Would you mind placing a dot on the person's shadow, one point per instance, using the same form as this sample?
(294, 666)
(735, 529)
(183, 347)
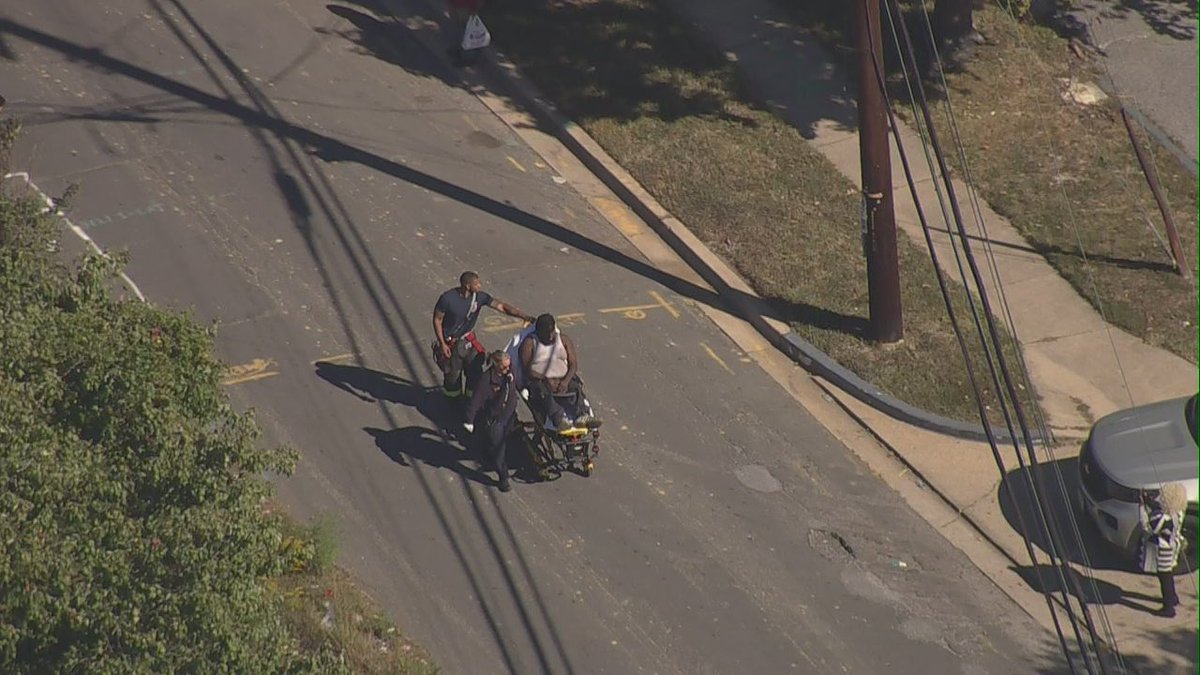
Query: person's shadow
(1045, 579)
(447, 445)
(373, 386)
(437, 449)
(420, 444)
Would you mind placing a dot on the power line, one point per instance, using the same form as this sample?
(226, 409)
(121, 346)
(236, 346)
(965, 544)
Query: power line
(1022, 366)
(1083, 252)
(1000, 361)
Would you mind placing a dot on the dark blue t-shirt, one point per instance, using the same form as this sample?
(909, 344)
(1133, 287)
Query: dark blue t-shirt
(460, 313)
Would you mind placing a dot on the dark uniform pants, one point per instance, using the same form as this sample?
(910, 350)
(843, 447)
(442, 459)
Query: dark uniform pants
(464, 356)
(494, 436)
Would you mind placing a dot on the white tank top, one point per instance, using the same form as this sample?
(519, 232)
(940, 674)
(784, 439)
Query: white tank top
(549, 361)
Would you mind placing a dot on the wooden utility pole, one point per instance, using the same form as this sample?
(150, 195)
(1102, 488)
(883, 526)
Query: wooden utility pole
(879, 221)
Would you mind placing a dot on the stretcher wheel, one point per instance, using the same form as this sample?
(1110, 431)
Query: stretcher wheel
(586, 470)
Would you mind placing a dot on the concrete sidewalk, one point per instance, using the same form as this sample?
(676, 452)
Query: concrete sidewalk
(1081, 366)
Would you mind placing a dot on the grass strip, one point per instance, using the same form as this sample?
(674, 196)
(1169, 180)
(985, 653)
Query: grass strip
(327, 613)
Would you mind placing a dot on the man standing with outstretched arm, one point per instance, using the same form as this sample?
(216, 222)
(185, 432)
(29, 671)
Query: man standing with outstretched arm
(454, 318)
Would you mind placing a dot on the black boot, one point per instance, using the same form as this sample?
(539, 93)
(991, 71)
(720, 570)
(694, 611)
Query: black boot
(1167, 611)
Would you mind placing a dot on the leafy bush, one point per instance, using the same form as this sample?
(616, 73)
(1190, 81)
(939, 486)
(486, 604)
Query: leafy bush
(1019, 8)
(310, 547)
(133, 536)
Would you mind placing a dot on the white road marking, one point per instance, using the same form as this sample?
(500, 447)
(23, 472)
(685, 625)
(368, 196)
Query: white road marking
(24, 175)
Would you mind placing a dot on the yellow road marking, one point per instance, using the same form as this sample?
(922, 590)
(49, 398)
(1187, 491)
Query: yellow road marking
(617, 214)
(500, 324)
(501, 327)
(335, 359)
(639, 311)
(249, 378)
(716, 358)
(248, 372)
(635, 312)
(666, 305)
(496, 324)
(515, 163)
(568, 320)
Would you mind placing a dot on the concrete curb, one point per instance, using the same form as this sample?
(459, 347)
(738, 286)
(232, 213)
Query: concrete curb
(727, 283)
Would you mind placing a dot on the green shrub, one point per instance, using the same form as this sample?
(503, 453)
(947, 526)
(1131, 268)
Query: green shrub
(309, 547)
(133, 536)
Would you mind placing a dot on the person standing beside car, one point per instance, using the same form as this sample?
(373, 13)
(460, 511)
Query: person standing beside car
(1162, 540)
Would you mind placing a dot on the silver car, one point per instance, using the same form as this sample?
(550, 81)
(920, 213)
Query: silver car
(1138, 449)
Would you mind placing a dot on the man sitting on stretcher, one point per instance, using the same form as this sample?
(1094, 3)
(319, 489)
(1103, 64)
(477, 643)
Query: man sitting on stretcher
(552, 372)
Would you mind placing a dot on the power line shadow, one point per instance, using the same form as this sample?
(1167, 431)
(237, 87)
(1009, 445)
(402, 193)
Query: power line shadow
(265, 118)
(390, 41)
(1050, 250)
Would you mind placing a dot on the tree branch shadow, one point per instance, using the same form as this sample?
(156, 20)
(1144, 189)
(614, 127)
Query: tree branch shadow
(1176, 19)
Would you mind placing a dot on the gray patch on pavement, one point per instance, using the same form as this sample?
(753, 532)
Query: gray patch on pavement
(916, 628)
(480, 139)
(959, 638)
(757, 477)
(866, 584)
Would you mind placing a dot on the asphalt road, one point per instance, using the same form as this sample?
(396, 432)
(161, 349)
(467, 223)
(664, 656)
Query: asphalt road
(311, 179)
